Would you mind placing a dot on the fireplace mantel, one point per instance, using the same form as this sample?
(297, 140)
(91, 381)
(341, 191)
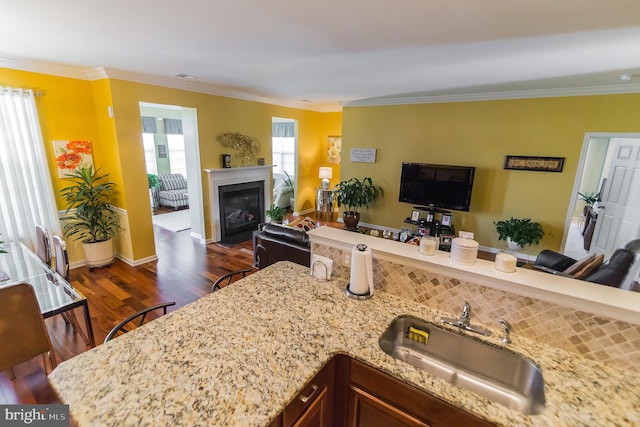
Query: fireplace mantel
(228, 176)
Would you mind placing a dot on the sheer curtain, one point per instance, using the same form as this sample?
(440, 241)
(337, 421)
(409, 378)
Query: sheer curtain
(26, 192)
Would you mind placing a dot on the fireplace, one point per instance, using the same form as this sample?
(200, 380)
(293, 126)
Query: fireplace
(222, 177)
(241, 210)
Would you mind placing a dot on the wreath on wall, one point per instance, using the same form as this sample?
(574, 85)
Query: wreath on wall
(247, 146)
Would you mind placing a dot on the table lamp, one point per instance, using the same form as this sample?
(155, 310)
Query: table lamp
(326, 173)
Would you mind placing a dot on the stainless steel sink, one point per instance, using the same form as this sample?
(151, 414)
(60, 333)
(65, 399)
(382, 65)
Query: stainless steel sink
(493, 372)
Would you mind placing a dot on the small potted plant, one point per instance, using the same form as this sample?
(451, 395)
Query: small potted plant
(154, 188)
(589, 200)
(276, 214)
(95, 219)
(354, 194)
(519, 232)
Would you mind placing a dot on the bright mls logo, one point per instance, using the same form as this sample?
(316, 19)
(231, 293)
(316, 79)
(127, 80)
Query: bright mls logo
(34, 415)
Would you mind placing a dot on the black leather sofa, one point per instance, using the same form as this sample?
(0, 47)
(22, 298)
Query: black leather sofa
(611, 273)
(278, 243)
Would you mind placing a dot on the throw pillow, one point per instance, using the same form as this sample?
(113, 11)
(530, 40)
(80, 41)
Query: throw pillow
(305, 224)
(587, 269)
(572, 269)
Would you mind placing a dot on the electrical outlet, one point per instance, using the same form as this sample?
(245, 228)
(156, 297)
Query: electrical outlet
(346, 259)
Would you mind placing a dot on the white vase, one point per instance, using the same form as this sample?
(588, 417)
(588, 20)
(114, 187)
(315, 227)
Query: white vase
(98, 254)
(514, 246)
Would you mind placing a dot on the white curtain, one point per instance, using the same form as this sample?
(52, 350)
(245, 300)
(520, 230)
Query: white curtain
(26, 192)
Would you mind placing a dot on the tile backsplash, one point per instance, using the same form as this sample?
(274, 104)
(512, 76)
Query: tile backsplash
(603, 339)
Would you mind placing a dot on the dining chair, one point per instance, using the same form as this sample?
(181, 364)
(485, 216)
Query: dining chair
(43, 246)
(23, 334)
(139, 316)
(228, 278)
(61, 266)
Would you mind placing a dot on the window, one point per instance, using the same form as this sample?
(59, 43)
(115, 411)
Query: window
(150, 153)
(283, 152)
(177, 157)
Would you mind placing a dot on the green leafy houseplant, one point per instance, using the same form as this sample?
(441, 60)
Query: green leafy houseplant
(276, 213)
(2, 251)
(354, 194)
(589, 198)
(521, 231)
(153, 180)
(95, 219)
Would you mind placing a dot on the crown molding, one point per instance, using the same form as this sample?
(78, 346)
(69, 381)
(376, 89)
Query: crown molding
(496, 96)
(200, 87)
(35, 66)
(92, 74)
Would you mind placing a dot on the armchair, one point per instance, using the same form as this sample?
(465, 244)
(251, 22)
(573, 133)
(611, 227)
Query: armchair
(592, 269)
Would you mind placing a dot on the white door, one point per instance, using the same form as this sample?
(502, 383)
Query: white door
(619, 217)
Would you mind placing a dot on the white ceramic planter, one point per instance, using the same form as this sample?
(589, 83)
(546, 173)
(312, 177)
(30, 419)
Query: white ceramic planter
(98, 254)
(513, 245)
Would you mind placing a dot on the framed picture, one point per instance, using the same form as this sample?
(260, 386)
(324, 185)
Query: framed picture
(72, 155)
(226, 161)
(162, 151)
(533, 163)
(446, 220)
(415, 215)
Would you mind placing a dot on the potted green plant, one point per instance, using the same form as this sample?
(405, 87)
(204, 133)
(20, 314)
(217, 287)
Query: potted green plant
(154, 188)
(276, 214)
(519, 232)
(589, 200)
(95, 219)
(354, 194)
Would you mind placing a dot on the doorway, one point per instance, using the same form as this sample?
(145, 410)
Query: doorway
(171, 147)
(284, 148)
(599, 162)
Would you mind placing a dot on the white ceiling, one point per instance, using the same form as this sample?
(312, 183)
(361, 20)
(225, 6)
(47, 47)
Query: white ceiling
(321, 54)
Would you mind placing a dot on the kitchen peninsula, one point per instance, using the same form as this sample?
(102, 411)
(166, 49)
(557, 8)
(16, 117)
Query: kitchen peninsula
(238, 356)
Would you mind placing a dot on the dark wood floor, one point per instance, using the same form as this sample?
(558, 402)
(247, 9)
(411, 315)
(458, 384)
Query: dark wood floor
(183, 273)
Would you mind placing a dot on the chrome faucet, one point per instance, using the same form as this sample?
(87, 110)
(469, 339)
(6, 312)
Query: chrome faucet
(506, 328)
(464, 322)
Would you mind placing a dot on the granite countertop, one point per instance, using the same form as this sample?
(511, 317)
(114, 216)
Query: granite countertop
(238, 356)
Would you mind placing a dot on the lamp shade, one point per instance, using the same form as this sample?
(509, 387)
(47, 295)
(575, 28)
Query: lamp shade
(326, 174)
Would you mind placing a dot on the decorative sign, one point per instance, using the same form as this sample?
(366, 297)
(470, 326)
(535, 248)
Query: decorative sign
(532, 163)
(363, 155)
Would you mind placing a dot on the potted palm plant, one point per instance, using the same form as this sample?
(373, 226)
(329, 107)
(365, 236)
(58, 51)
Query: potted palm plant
(354, 194)
(589, 200)
(95, 219)
(288, 182)
(519, 232)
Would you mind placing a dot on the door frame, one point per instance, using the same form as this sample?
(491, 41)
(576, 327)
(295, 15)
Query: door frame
(580, 171)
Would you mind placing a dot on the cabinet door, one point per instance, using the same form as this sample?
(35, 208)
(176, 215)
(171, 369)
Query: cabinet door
(313, 405)
(370, 411)
(318, 414)
(377, 399)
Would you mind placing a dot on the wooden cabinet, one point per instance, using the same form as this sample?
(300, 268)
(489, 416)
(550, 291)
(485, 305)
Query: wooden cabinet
(377, 399)
(348, 393)
(313, 406)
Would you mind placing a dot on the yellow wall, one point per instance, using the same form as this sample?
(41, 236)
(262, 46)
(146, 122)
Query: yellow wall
(78, 109)
(216, 114)
(480, 134)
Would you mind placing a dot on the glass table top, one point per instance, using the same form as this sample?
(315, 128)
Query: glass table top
(21, 264)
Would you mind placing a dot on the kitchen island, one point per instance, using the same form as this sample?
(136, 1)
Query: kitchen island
(238, 356)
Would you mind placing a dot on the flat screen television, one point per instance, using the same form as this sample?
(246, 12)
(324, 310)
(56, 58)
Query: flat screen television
(440, 186)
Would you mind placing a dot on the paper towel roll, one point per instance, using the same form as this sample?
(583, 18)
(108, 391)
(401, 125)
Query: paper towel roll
(361, 280)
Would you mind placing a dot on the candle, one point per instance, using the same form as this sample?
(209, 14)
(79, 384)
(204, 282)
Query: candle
(506, 262)
(428, 245)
